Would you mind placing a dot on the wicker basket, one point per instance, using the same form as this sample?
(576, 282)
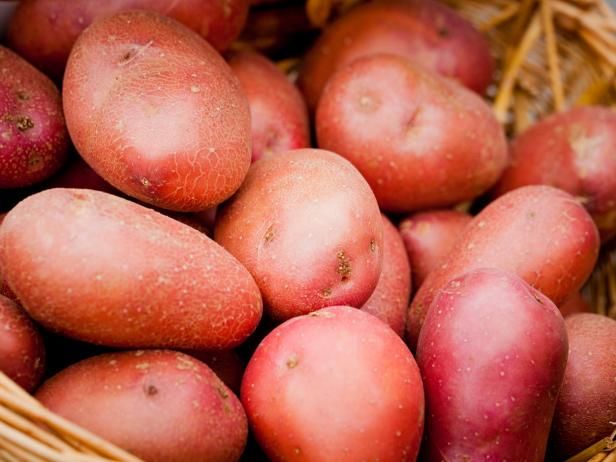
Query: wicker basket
(551, 54)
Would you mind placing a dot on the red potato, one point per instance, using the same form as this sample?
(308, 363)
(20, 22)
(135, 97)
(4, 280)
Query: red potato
(279, 116)
(308, 228)
(492, 355)
(44, 31)
(22, 353)
(574, 151)
(5, 290)
(587, 402)
(573, 305)
(79, 175)
(428, 238)
(389, 301)
(161, 406)
(166, 122)
(421, 141)
(540, 233)
(426, 31)
(101, 269)
(226, 364)
(347, 389)
(33, 136)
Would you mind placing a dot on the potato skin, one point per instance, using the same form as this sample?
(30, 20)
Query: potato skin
(22, 352)
(587, 401)
(162, 406)
(4, 288)
(78, 174)
(425, 31)
(166, 122)
(308, 228)
(101, 269)
(347, 389)
(573, 305)
(421, 141)
(44, 31)
(573, 151)
(226, 364)
(540, 233)
(33, 136)
(492, 355)
(428, 237)
(389, 301)
(279, 116)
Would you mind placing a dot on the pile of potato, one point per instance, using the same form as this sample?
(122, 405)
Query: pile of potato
(175, 215)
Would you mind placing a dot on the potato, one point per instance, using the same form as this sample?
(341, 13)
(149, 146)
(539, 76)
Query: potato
(279, 116)
(166, 121)
(101, 269)
(540, 233)
(44, 31)
(161, 406)
(492, 355)
(390, 299)
(425, 31)
(226, 364)
(346, 389)
(33, 136)
(79, 175)
(428, 237)
(574, 151)
(587, 400)
(22, 353)
(574, 304)
(421, 141)
(308, 228)
(4, 288)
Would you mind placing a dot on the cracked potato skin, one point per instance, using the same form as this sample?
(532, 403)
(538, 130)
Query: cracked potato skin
(101, 269)
(308, 228)
(492, 355)
(420, 140)
(44, 31)
(157, 112)
(540, 233)
(33, 137)
(347, 389)
(573, 151)
(162, 406)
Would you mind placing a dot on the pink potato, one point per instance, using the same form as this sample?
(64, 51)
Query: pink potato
(79, 175)
(161, 406)
(573, 305)
(309, 230)
(22, 353)
(389, 301)
(587, 402)
(492, 355)
(540, 233)
(574, 151)
(279, 116)
(101, 269)
(166, 121)
(420, 140)
(44, 31)
(334, 385)
(428, 237)
(33, 136)
(426, 31)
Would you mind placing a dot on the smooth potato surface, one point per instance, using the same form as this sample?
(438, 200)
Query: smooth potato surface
(492, 355)
(540, 233)
(308, 228)
(420, 140)
(161, 406)
(101, 269)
